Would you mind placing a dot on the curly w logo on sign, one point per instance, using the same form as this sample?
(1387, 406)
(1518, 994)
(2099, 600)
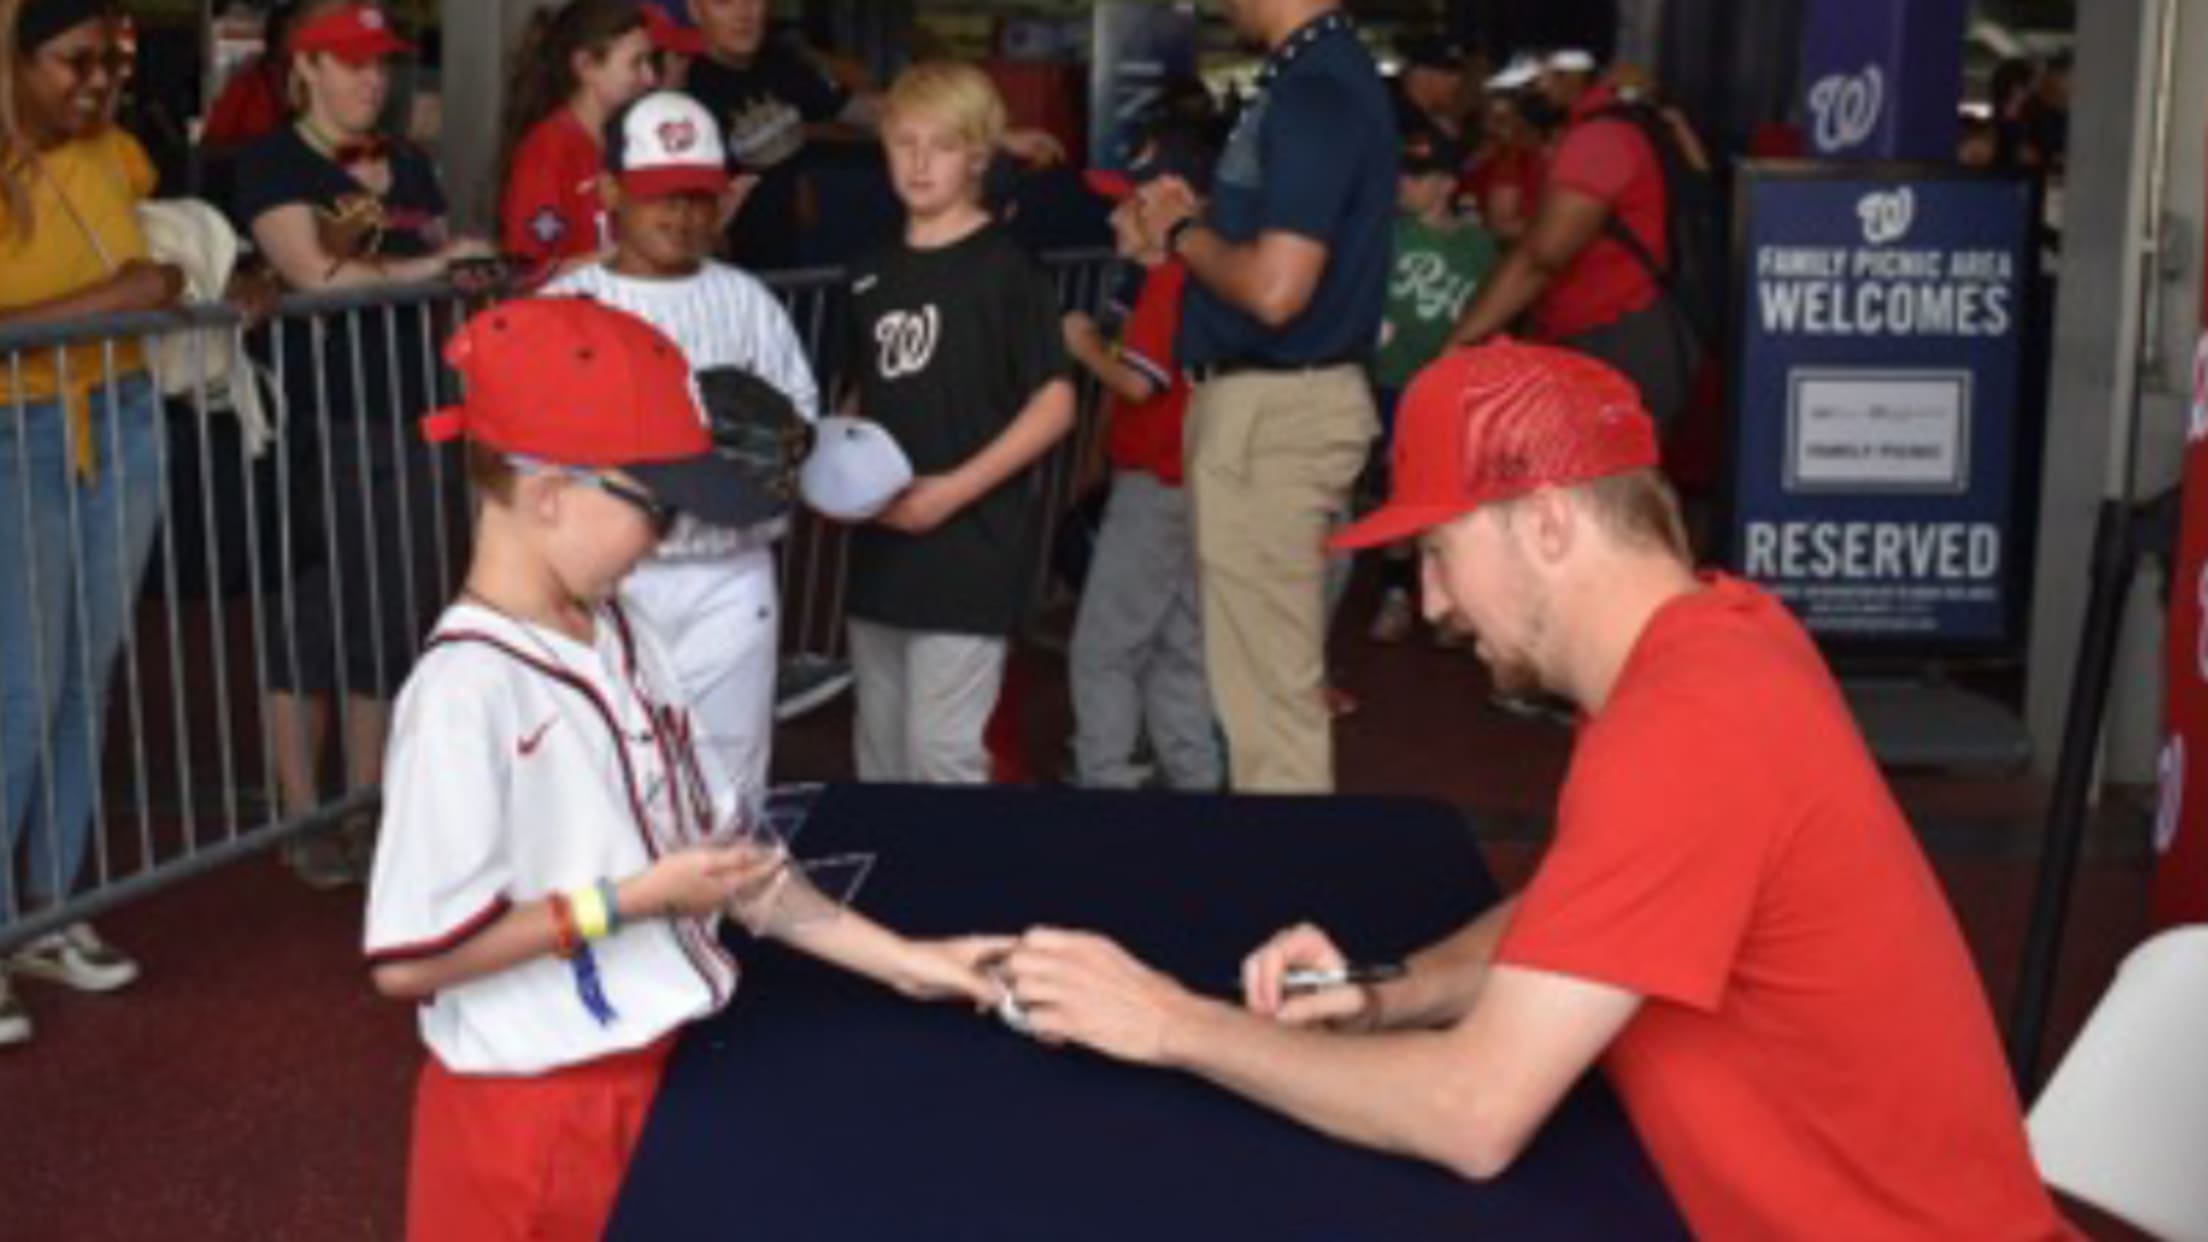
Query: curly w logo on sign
(1846, 108)
(1887, 217)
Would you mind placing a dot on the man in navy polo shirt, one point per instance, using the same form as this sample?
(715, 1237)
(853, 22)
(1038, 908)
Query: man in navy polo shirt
(1288, 272)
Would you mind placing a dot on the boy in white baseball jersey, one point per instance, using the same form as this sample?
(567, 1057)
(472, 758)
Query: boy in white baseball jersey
(709, 589)
(548, 885)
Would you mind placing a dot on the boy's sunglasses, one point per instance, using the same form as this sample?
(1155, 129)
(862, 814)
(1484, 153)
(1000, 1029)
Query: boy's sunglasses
(660, 515)
(657, 512)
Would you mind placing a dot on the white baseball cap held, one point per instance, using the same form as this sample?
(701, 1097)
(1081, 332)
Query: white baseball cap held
(855, 470)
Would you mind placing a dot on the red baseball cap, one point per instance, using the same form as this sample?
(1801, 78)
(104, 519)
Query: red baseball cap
(1490, 422)
(669, 35)
(575, 383)
(352, 32)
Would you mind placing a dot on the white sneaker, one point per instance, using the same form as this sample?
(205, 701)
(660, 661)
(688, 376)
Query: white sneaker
(15, 1021)
(806, 683)
(75, 957)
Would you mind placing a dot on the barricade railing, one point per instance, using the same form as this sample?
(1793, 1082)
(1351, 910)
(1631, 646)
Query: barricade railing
(204, 616)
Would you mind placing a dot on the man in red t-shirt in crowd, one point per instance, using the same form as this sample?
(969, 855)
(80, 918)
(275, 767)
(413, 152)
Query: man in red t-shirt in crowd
(1583, 285)
(1512, 164)
(1734, 919)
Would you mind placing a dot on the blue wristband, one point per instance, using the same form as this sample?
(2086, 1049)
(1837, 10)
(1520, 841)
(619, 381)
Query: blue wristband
(613, 908)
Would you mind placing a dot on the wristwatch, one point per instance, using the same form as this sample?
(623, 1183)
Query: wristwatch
(1175, 231)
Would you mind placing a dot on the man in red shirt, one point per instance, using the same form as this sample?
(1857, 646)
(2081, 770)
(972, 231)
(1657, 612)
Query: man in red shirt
(1734, 918)
(1575, 275)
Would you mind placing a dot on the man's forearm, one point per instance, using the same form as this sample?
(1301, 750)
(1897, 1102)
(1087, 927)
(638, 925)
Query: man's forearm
(1244, 275)
(1445, 977)
(1509, 293)
(1390, 1092)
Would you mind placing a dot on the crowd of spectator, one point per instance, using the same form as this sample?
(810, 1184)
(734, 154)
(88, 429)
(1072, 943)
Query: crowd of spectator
(1293, 258)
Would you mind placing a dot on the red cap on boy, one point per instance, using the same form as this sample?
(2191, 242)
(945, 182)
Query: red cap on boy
(571, 382)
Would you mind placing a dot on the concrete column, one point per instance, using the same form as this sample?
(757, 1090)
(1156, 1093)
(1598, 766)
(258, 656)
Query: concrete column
(2099, 334)
(478, 35)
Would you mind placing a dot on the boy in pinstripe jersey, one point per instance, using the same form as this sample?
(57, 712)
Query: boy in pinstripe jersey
(710, 590)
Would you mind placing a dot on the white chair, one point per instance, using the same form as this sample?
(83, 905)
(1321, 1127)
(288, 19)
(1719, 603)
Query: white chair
(2123, 1125)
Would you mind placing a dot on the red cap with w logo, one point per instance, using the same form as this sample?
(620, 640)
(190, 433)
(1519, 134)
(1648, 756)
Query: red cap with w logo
(1489, 422)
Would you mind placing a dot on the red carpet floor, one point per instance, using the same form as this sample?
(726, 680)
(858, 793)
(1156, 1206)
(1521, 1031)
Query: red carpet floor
(252, 1086)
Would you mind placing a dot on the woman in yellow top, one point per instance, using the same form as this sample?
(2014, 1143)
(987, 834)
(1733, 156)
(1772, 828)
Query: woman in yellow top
(79, 461)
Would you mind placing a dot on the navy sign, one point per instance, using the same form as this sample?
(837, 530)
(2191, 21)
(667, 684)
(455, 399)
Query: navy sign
(1876, 399)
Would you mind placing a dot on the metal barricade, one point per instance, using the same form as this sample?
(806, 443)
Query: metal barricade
(202, 621)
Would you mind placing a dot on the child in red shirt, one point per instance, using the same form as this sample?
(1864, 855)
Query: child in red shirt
(1137, 658)
(577, 65)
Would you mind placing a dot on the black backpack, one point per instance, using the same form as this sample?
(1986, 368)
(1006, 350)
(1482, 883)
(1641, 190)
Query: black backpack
(1694, 223)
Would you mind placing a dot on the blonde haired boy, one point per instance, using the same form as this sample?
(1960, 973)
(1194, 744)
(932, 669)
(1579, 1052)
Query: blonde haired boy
(958, 355)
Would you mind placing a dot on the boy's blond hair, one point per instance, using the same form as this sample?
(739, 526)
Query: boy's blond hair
(954, 92)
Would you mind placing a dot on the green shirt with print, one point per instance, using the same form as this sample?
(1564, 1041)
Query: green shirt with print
(1435, 273)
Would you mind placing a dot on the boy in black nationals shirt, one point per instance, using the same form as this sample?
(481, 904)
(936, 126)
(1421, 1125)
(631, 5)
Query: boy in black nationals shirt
(960, 357)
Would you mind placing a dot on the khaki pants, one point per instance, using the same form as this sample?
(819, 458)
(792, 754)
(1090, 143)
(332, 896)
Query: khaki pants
(1271, 458)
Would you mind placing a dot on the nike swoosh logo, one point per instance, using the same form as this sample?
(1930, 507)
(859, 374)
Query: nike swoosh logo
(527, 746)
(864, 283)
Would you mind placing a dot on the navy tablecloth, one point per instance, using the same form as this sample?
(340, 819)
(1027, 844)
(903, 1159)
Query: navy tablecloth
(820, 1106)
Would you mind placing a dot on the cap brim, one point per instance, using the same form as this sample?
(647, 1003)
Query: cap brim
(651, 183)
(681, 40)
(1393, 524)
(359, 50)
(708, 489)
(1115, 186)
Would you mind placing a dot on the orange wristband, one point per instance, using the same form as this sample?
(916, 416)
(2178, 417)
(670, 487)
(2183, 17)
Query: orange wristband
(567, 939)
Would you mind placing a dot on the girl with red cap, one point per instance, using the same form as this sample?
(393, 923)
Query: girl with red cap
(333, 204)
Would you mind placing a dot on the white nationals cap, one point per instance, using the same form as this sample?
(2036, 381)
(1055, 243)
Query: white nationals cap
(1517, 75)
(1571, 60)
(855, 471)
(666, 143)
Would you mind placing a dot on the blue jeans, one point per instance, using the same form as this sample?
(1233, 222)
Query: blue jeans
(72, 556)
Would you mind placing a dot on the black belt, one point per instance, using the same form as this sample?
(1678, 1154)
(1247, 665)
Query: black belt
(1204, 372)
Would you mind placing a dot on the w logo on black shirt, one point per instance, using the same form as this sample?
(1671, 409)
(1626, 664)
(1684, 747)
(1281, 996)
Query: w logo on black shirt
(907, 340)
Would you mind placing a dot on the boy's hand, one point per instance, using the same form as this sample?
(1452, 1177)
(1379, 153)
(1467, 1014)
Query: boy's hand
(1084, 340)
(699, 880)
(1034, 146)
(1163, 203)
(931, 501)
(955, 969)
